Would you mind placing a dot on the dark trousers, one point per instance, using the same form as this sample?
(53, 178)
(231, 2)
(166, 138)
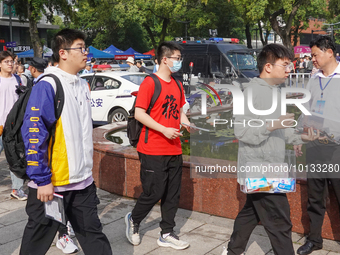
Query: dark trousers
(317, 182)
(161, 179)
(274, 213)
(81, 211)
(62, 230)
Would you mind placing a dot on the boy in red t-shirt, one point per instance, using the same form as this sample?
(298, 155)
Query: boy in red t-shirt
(161, 157)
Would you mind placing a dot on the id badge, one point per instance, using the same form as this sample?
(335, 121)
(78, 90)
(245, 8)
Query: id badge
(319, 107)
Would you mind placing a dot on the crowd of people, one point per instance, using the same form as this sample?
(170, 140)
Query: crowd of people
(132, 65)
(67, 171)
(303, 65)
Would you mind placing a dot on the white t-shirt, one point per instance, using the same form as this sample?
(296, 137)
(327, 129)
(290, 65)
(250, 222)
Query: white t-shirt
(8, 96)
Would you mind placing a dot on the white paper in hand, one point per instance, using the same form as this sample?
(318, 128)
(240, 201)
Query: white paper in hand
(54, 209)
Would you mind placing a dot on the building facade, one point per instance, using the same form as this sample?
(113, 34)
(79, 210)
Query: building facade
(20, 31)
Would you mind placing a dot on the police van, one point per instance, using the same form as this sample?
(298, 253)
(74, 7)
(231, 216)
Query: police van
(217, 58)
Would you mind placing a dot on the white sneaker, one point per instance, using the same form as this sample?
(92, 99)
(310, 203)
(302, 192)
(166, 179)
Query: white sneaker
(70, 229)
(172, 240)
(65, 243)
(132, 230)
(225, 252)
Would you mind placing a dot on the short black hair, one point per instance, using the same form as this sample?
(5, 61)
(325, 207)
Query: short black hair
(64, 39)
(4, 54)
(323, 43)
(53, 61)
(166, 49)
(271, 53)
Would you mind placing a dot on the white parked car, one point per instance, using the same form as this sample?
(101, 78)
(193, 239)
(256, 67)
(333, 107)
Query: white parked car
(111, 97)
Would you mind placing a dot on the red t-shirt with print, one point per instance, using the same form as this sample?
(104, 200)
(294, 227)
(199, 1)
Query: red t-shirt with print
(166, 112)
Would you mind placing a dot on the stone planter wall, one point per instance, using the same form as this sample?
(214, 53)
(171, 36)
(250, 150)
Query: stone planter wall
(116, 169)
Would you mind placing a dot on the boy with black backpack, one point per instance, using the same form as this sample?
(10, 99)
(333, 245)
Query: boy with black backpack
(27, 81)
(8, 96)
(68, 170)
(161, 153)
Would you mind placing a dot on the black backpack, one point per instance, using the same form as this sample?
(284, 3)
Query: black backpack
(12, 140)
(134, 127)
(29, 80)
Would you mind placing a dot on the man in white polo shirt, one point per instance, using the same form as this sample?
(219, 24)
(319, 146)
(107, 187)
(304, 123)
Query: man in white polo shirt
(325, 91)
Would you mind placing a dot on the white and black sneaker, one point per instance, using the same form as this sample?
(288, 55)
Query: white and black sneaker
(65, 243)
(172, 240)
(132, 230)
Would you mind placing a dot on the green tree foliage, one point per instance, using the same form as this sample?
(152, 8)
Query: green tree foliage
(215, 14)
(282, 15)
(333, 16)
(143, 24)
(33, 11)
(111, 22)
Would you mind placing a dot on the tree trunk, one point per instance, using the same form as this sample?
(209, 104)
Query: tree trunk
(296, 35)
(264, 43)
(34, 34)
(286, 39)
(248, 36)
(284, 32)
(264, 40)
(152, 37)
(164, 28)
(267, 36)
(285, 36)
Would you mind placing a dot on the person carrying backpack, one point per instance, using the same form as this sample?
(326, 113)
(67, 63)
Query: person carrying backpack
(67, 171)
(8, 96)
(161, 153)
(64, 243)
(24, 78)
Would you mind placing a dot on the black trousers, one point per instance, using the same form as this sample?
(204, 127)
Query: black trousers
(81, 211)
(161, 179)
(62, 230)
(327, 155)
(274, 213)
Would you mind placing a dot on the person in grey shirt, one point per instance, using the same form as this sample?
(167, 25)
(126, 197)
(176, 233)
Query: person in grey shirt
(264, 141)
(131, 62)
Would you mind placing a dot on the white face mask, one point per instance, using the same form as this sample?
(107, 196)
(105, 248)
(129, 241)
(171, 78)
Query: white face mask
(177, 65)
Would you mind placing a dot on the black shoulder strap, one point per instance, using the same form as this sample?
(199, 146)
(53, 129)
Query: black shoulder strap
(58, 107)
(59, 95)
(178, 84)
(156, 93)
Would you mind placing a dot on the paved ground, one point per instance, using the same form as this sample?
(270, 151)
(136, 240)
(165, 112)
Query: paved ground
(207, 234)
